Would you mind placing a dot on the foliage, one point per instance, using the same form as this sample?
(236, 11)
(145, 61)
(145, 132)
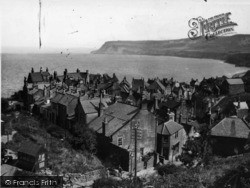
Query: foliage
(198, 148)
(110, 182)
(237, 177)
(4, 105)
(168, 169)
(3, 152)
(178, 178)
(147, 156)
(84, 139)
(106, 183)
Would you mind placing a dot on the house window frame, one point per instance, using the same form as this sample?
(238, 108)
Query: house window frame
(176, 134)
(142, 151)
(120, 139)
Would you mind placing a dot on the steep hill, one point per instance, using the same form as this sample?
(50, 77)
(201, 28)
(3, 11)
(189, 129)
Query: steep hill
(233, 49)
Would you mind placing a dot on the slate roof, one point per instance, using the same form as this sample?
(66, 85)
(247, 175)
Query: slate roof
(66, 99)
(71, 107)
(117, 115)
(124, 88)
(32, 91)
(168, 128)
(156, 85)
(37, 76)
(91, 105)
(235, 81)
(57, 98)
(231, 127)
(30, 148)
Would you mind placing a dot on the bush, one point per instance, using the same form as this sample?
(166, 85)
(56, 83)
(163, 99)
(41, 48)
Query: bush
(113, 183)
(239, 176)
(106, 183)
(4, 105)
(168, 169)
(84, 139)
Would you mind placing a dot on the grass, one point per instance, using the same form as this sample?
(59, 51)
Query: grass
(61, 157)
(200, 176)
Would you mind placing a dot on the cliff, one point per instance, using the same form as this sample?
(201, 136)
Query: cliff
(232, 49)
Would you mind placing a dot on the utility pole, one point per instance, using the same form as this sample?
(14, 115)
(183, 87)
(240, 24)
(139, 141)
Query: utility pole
(136, 134)
(135, 155)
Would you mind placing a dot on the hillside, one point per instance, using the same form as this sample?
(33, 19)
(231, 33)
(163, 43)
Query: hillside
(232, 49)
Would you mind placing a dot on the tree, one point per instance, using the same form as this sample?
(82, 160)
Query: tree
(84, 139)
(198, 148)
(4, 105)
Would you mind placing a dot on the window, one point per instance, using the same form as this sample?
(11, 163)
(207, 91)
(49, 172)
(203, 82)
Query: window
(41, 157)
(175, 148)
(41, 165)
(142, 151)
(119, 141)
(176, 135)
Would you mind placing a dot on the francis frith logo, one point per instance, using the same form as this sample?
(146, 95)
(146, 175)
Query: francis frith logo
(218, 25)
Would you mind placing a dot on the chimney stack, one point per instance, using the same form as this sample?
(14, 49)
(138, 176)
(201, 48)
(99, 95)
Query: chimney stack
(55, 74)
(87, 76)
(32, 70)
(41, 69)
(180, 116)
(104, 124)
(65, 73)
(156, 103)
(171, 116)
(45, 91)
(100, 105)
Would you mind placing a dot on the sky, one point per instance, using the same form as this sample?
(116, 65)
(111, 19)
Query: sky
(90, 23)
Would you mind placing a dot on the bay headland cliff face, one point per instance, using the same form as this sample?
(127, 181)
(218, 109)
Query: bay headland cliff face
(231, 49)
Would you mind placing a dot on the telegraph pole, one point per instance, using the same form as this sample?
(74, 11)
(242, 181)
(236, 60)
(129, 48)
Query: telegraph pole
(137, 135)
(135, 154)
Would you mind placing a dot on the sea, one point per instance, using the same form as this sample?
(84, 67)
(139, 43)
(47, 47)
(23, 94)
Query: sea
(14, 67)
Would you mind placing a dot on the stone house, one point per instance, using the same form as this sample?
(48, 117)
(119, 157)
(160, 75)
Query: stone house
(233, 86)
(138, 85)
(40, 77)
(229, 136)
(66, 106)
(88, 109)
(116, 124)
(171, 137)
